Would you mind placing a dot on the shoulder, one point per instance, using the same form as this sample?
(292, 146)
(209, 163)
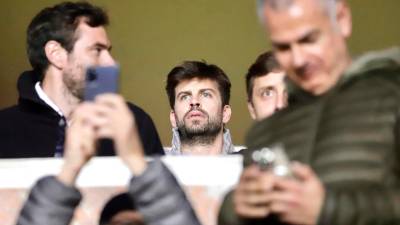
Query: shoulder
(10, 113)
(8, 110)
(382, 80)
(138, 111)
(388, 74)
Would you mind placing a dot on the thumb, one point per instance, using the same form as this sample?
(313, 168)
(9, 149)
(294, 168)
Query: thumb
(302, 172)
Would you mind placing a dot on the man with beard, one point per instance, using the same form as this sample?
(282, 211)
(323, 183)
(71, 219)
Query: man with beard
(199, 98)
(62, 42)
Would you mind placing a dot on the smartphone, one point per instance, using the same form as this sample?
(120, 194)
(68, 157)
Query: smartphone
(273, 158)
(99, 80)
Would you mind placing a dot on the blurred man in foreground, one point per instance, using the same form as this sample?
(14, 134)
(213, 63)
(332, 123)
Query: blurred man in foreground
(153, 188)
(341, 127)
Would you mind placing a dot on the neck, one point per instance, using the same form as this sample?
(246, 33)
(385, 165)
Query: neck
(196, 146)
(336, 74)
(345, 63)
(55, 89)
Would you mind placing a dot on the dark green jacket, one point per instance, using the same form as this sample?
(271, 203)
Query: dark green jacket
(350, 137)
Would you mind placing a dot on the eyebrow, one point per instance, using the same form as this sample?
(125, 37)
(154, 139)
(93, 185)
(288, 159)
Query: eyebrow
(103, 46)
(269, 87)
(207, 89)
(190, 92)
(183, 93)
(308, 35)
(303, 38)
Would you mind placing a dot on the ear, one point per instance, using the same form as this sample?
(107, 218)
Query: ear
(172, 119)
(56, 54)
(251, 110)
(226, 114)
(343, 18)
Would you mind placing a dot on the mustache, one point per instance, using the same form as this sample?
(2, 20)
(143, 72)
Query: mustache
(304, 69)
(195, 108)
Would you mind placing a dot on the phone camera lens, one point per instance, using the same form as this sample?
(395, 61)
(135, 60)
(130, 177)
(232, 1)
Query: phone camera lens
(91, 75)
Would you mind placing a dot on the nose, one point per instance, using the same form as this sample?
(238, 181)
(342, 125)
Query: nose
(108, 60)
(194, 102)
(297, 56)
(281, 101)
(193, 105)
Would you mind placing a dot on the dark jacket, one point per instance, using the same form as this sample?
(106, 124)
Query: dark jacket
(31, 128)
(156, 194)
(350, 137)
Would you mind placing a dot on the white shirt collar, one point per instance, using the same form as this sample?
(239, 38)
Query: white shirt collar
(42, 95)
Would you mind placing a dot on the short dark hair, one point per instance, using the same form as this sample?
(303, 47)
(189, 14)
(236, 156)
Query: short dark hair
(195, 69)
(118, 203)
(264, 64)
(59, 23)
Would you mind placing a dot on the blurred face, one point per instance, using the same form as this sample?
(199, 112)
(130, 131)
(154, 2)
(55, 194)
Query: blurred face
(92, 48)
(269, 95)
(198, 109)
(309, 45)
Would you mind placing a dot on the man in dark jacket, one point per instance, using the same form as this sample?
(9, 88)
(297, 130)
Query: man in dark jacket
(62, 42)
(342, 126)
(153, 188)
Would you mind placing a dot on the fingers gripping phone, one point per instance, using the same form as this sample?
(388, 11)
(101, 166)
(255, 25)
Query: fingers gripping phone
(99, 80)
(273, 158)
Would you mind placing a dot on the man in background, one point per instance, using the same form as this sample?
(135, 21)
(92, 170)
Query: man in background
(199, 95)
(265, 85)
(63, 41)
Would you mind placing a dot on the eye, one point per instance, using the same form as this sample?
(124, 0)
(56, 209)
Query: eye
(184, 97)
(310, 38)
(98, 50)
(281, 47)
(267, 93)
(207, 94)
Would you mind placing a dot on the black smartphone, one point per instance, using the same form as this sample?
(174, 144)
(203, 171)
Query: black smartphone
(99, 80)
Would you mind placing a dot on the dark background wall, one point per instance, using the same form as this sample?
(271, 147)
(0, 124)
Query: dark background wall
(150, 37)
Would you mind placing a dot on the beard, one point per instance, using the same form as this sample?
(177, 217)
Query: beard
(198, 133)
(74, 81)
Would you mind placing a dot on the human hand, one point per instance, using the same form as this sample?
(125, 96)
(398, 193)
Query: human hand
(79, 144)
(251, 196)
(114, 120)
(298, 201)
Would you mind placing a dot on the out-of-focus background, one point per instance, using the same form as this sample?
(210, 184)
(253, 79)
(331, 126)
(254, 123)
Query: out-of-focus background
(151, 37)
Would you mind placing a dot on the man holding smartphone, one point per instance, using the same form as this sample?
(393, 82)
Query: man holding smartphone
(63, 41)
(341, 126)
(154, 189)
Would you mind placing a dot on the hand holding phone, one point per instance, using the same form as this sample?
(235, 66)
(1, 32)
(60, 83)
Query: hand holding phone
(274, 159)
(99, 80)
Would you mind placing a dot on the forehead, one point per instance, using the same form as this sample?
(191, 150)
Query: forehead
(91, 35)
(196, 84)
(294, 21)
(268, 80)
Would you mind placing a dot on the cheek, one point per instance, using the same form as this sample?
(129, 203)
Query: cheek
(318, 53)
(322, 52)
(263, 106)
(283, 59)
(210, 104)
(179, 110)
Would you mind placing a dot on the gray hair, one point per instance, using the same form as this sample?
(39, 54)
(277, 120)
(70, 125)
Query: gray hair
(328, 5)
